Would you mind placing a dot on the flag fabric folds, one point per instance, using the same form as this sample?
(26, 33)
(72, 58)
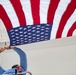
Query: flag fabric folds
(29, 21)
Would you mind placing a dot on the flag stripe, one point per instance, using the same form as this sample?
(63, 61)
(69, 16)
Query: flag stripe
(51, 11)
(44, 5)
(74, 33)
(65, 17)
(26, 6)
(35, 11)
(19, 12)
(4, 16)
(57, 17)
(11, 13)
(69, 24)
(71, 29)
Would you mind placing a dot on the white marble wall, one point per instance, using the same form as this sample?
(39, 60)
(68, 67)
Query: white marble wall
(55, 57)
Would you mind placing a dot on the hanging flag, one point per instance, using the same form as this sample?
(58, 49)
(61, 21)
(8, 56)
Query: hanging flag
(29, 21)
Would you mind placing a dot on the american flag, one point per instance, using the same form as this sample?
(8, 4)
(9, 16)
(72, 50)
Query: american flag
(29, 21)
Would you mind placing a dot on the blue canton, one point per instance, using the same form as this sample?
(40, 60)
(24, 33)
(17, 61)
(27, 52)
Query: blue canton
(29, 34)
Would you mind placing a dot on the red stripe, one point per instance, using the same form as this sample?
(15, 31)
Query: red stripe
(4, 17)
(51, 11)
(19, 12)
(35, 6)
(70, 9)
(71, 29)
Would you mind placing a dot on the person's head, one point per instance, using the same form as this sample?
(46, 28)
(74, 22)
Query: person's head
(18, 68)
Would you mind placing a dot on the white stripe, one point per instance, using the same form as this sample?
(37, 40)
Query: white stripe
(74, 32)
(27, 11)
(10, 12)
(58, 14)
(69, 24)
(44, 5)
